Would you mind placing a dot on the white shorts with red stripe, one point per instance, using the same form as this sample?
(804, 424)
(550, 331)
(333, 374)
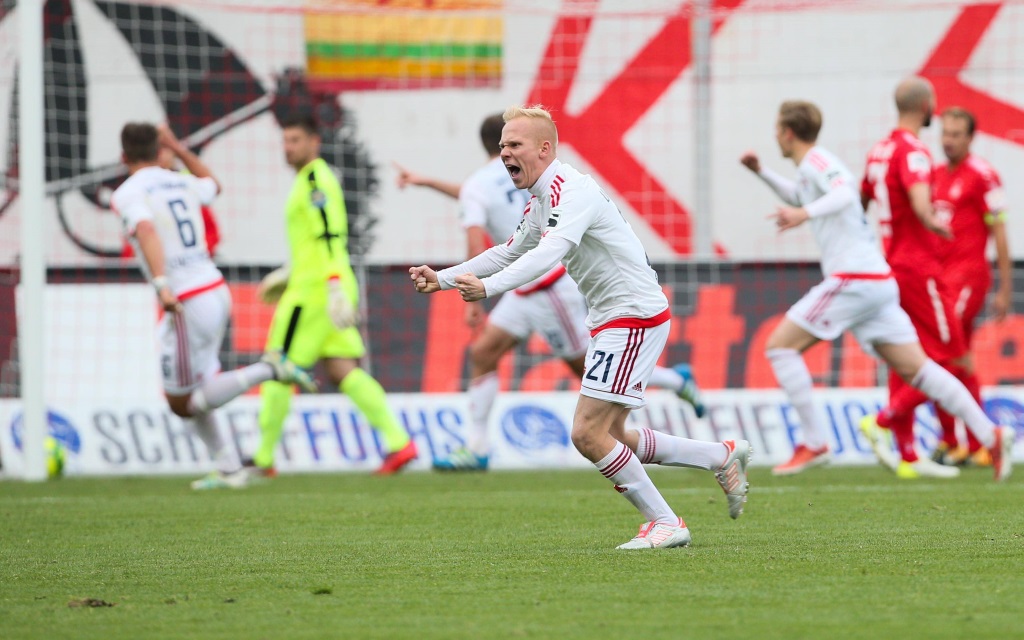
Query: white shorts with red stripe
(620, 361)
(190, 340)
(868, 307)
(558, 313)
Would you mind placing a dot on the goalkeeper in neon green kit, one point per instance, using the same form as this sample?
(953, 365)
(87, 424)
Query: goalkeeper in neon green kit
(316, 315)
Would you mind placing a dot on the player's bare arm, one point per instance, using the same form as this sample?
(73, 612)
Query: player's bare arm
(153, 254)
(921, 202)
(424, 279)
(406, 178)
(1003, 300)
(191, 161)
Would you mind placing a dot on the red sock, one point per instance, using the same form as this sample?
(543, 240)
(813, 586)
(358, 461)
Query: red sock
(903, 434)
(903, 398)
(948, 424)
(970, 380)
(896, 417)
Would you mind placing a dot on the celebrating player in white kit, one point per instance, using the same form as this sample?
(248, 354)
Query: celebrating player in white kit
(161, 212)
(569, 219)
(490, 207)
(858, 294)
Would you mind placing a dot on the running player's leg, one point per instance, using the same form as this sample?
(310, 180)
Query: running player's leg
(190, 345)
(604, 403)
(295, 333)
(969, 300)
(908, 359)
(619, 364)
(484, 355)
(508, 324)
(929, 305)
(341, 352)
(370, 398)
(973, 297)
(209, 313)
(822, 314)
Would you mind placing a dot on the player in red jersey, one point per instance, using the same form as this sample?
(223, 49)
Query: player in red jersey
(898, 178)
(967, 191)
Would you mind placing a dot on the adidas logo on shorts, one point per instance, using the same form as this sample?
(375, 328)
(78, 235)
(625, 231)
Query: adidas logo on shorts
(638, 387)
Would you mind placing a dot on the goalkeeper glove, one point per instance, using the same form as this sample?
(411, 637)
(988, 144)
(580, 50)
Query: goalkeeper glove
(339, 307)
(272, 285)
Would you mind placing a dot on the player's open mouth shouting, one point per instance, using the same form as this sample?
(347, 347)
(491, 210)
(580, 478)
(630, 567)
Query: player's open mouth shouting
(513, 170)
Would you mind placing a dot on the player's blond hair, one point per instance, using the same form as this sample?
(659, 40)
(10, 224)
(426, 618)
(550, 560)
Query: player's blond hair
(802, 118)
(537, 113)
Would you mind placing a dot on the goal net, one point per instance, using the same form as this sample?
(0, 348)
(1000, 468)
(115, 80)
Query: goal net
(408, 82)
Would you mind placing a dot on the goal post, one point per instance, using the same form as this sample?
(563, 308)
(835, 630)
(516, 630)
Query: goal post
(32, 265)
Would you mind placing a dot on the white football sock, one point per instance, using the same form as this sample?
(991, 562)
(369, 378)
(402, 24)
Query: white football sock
(943, 387)
(631, 480)
(482, 392)
(225, 457)
(794, 378)
(225, 387)
(665, 378)
(672, 451)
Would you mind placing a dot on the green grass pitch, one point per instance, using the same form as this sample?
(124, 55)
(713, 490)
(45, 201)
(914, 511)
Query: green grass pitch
(834, 553)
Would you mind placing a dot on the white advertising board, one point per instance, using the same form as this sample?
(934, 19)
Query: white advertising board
(527, 431)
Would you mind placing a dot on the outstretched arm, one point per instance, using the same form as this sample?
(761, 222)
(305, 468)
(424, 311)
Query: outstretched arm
(406, 178)
(530, 266)
(491, 261)
(784, 187)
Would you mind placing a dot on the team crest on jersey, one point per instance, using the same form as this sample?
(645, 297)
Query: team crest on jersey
(955, 190)
(918, 162)
(317, 198)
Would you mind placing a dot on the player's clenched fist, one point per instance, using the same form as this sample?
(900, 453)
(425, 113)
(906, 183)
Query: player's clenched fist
(750, 161)
(470, 287)
(424, 278)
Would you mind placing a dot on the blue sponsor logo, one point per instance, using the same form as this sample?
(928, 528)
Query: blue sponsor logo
(58, 426)
(1006, 411)
(531, 428)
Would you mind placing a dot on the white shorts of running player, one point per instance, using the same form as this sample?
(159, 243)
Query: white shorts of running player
(870, 309)
(620, 362)
(558, 314)
(190, 340)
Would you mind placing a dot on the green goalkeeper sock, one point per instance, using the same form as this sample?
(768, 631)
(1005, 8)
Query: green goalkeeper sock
(275, 400)
(369, 396)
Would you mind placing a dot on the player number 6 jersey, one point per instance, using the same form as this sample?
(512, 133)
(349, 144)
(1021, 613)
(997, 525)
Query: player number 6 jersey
(173, 203)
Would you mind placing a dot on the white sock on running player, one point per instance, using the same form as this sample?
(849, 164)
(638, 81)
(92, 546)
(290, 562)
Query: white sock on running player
(482, 392)
(226, 386)
(672, 451)
(665, 378)
(943, 387)
(794, 378)
(225, 457)
(631, 480)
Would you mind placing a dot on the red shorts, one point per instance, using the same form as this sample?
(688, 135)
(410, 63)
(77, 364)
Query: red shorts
(930, 304)
(969, 295)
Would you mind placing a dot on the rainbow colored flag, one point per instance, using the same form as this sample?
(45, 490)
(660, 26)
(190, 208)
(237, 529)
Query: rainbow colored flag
(405, 44)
